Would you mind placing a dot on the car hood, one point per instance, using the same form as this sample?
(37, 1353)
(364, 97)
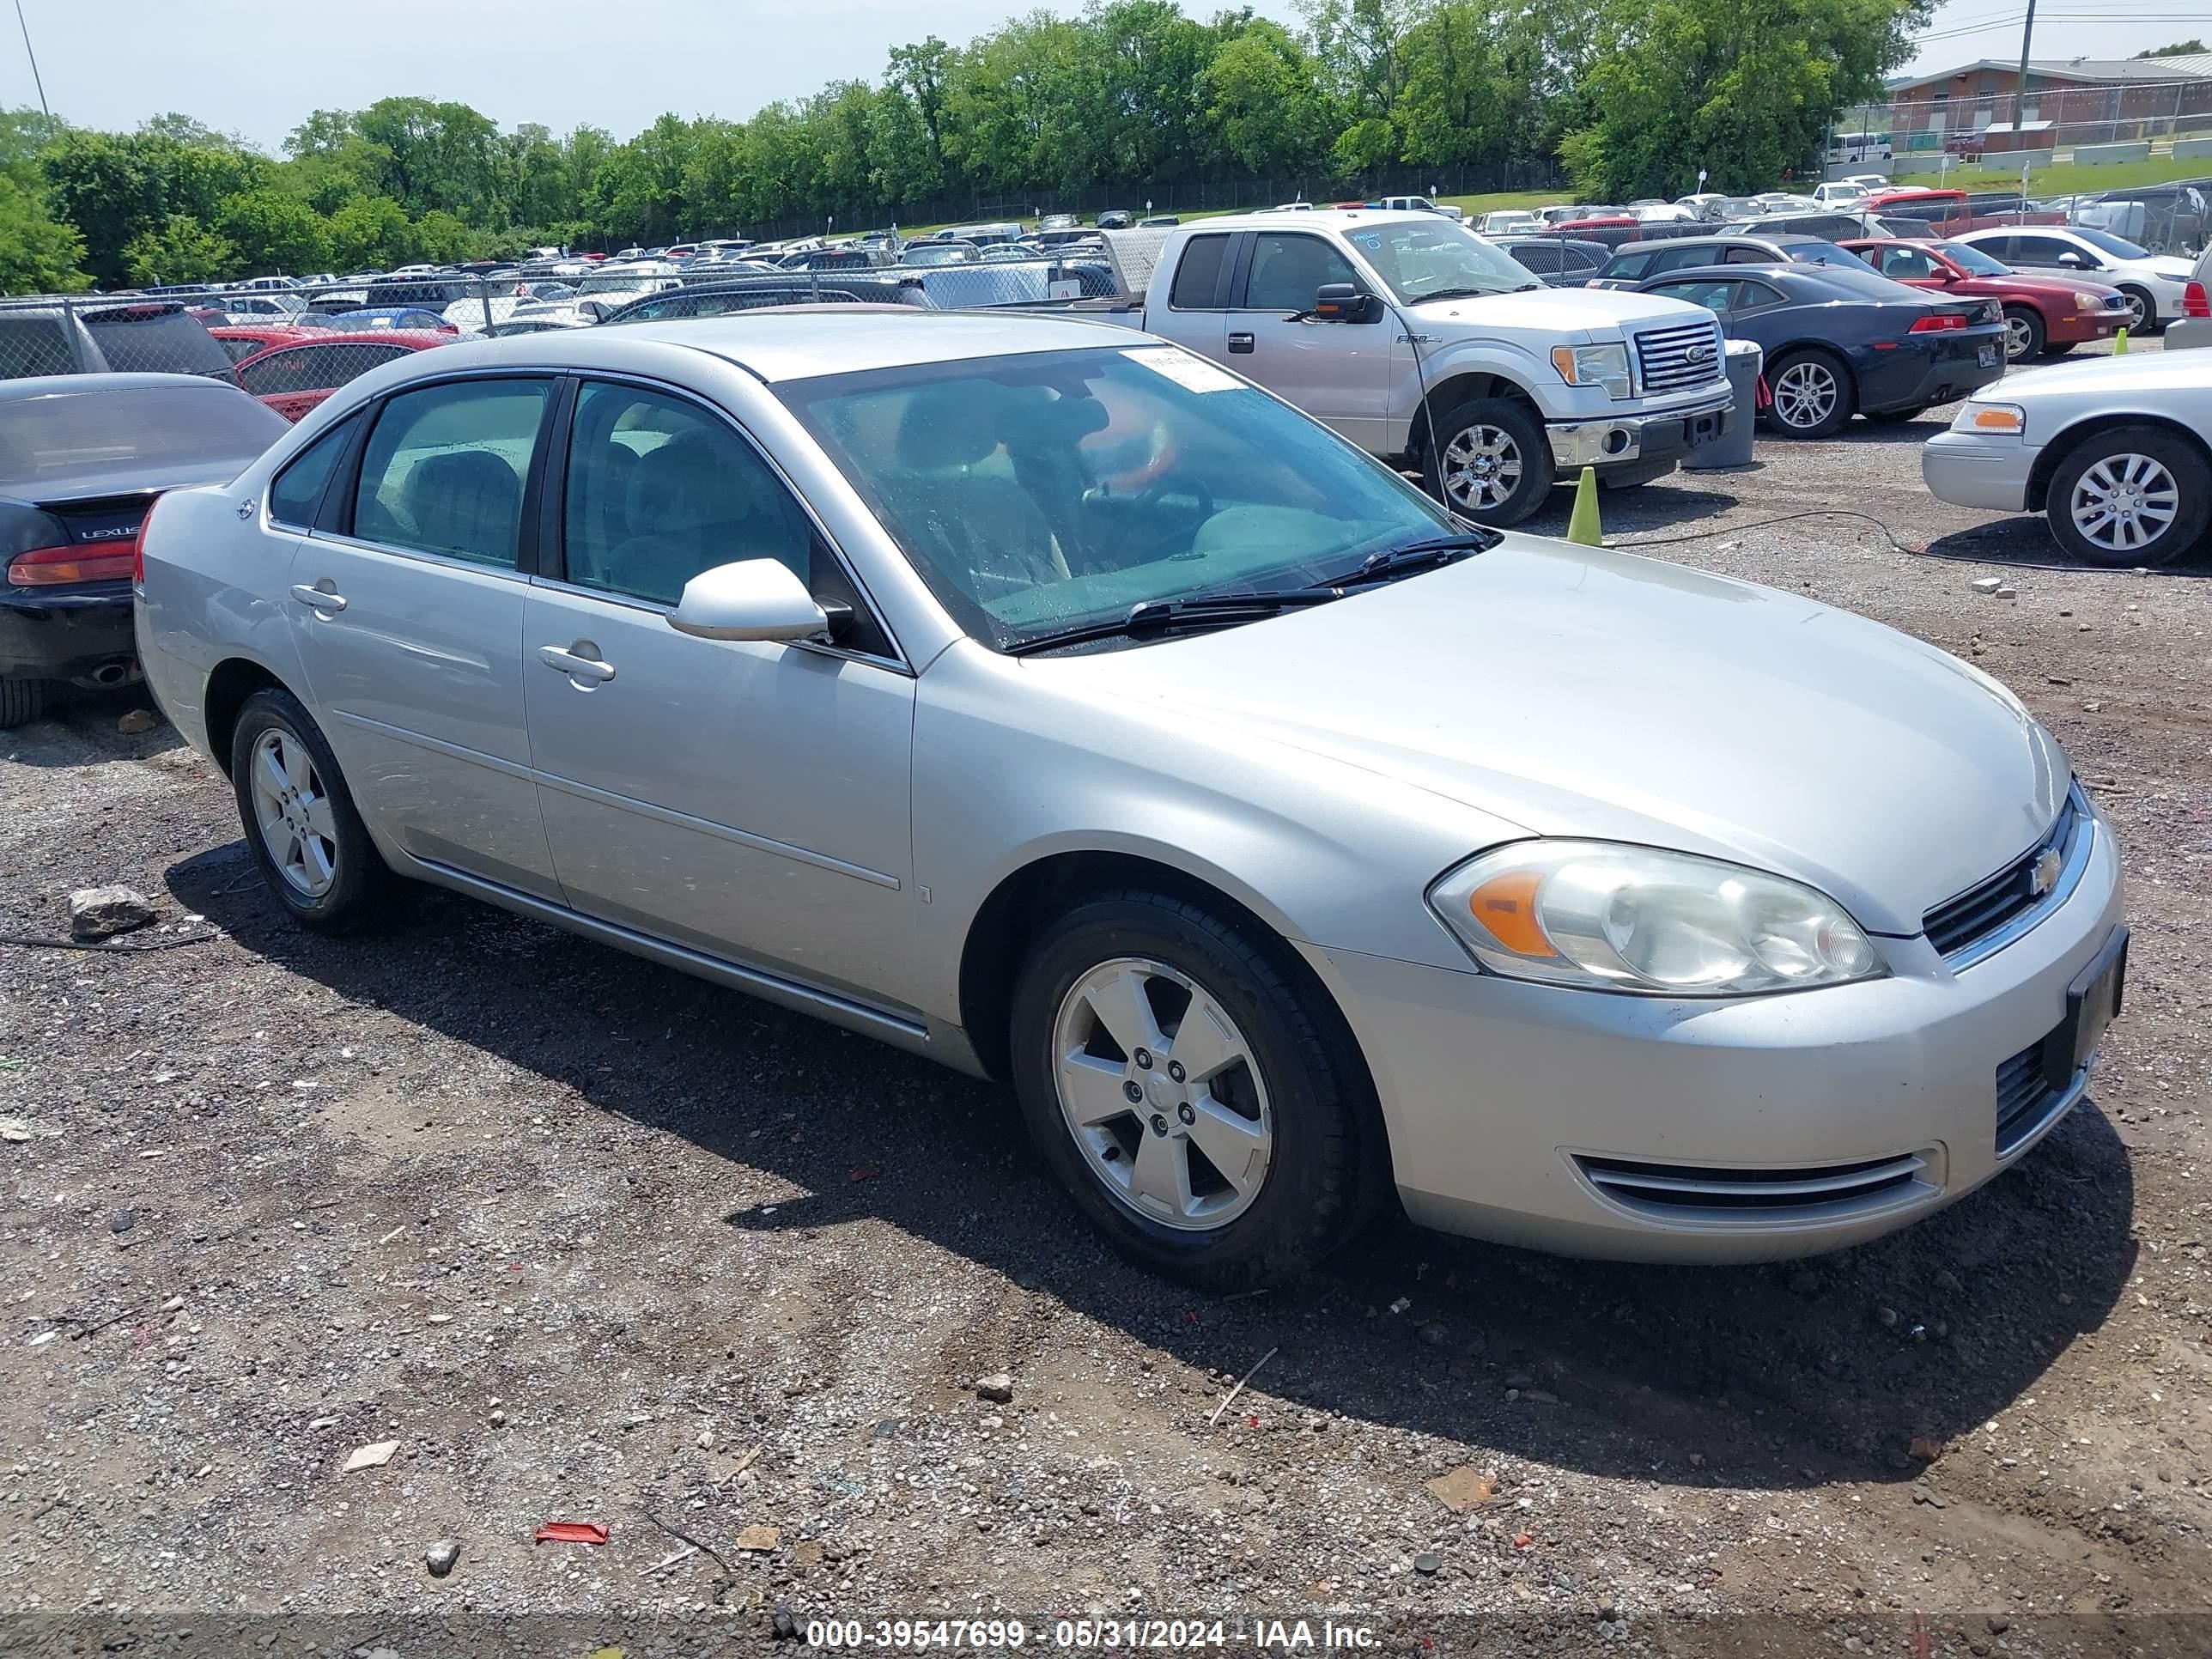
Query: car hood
(2059, 289)
(1572, 691)
(1585, 313)
(2151, 374)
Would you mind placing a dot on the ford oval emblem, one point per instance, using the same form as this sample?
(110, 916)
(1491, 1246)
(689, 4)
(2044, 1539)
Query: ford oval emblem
(1700, 352)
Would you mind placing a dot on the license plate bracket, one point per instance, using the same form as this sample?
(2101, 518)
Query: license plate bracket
(2092, 1002)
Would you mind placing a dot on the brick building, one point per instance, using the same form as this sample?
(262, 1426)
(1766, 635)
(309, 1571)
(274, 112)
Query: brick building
(2088, 101)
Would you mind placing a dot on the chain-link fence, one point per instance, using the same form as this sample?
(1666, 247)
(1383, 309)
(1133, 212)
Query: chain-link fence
(1979, 115)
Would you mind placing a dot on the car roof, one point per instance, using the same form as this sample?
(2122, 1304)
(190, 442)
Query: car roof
(1337, 217)
(78, 385)
(799, 342)
(406, 337)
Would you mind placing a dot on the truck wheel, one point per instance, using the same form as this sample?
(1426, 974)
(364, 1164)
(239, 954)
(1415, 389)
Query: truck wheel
(1207, 1110)
(2129, 496)
(21, 701)
(1490, 461)
(2024, 334)
(1812, 392)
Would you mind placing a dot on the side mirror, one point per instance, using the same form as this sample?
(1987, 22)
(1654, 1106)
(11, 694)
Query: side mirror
(2072, 261)
(751, 599)
(1346, 302)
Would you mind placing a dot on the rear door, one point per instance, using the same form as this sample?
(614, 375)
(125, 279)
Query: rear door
(1196, 314)
(407, 604)
(1338, 372)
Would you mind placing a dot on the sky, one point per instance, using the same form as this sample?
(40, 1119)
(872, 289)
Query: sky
(257, 67)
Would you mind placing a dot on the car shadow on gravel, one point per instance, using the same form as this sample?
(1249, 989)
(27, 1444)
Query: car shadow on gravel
(1680, 498)
(2025, 539)
(1850, 1367)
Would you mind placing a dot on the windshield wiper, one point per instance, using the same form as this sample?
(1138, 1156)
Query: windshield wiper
(1415, 556)
(1166, 616)
(1470, 293)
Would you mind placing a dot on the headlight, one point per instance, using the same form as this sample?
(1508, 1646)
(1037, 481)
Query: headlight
(1618, 918)
(2087, 302)
(2008, 420)
(1594, 365)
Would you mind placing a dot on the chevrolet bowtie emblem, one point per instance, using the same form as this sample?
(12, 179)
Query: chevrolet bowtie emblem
(2043, 875)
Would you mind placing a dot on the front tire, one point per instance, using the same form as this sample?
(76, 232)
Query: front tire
(21, 701)
(2024, 334)
(1198, 1098)
(2130, 495)
(300, 822)
(1490, 461)
(1812, 395)
(2143, 310)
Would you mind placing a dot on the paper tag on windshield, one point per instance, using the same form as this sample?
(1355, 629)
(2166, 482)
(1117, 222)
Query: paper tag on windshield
(1184, 369)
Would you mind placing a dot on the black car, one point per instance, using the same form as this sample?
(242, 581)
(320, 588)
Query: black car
(52, 337)
(1840, 340)
(720, 299)
(1113, 219)
(82, 459)
(1561, 261)
(1638, 261)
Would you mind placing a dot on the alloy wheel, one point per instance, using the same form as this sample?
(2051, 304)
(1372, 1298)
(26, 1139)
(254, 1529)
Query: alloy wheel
(1482, 466)
(2125, 502)
(2019, 338)
(294, 813)
(1805, 395)
(2138, 312)
(1163, 1095)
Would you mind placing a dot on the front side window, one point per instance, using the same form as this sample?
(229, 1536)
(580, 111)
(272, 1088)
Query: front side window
(659, 491)
(1288, 269)
(443, 471)
(1048, 490)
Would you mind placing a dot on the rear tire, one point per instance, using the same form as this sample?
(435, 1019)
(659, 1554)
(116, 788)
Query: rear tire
(1813, 395)
(1490, 461)
(2128, 482)
(299, 820)
(2024, 334)
(1289, 1156)
(21, 701)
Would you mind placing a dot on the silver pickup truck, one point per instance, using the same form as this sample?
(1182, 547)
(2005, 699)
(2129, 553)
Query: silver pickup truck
(1431, 348)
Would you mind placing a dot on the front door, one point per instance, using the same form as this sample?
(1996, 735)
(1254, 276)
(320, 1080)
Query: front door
(1338, 372)
(408, 612)
(748, 799)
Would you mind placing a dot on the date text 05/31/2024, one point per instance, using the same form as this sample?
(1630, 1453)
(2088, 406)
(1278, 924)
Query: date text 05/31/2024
(1139, 1635)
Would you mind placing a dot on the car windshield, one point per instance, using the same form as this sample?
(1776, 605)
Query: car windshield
(1049, 490)
(67, 434)
(1431, 256)
(2118, 247)
(1973, 260)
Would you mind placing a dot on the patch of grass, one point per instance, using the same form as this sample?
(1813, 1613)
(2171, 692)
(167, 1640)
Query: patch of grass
(2066, 178)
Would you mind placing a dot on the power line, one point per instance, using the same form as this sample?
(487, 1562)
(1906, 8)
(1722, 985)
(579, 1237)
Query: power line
(36, 79)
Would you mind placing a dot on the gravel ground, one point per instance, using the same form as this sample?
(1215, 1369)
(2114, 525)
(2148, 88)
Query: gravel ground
(592, 1242)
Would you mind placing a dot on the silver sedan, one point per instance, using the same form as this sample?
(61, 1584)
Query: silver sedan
(2108, 449)
(1058, 705)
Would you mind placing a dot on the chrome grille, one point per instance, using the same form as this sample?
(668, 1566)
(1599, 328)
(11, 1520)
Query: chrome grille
(1663, 360)
(1959, 924)
(1677, 1190)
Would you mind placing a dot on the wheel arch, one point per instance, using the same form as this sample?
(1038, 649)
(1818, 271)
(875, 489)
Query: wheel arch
(2052, 455)
(1464, 386)
(229, 683)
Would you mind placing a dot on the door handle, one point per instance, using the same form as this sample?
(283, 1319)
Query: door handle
(575, 667)
(1240, 343)
(322, 598)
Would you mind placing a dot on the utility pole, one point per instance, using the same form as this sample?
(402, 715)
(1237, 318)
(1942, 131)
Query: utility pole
(2019, 93)
(35, 79)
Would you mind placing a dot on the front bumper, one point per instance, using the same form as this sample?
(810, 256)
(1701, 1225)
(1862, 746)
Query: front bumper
(1504, 1099)
(1637, 442)
(65, 634)
(1971, 469)
(2082, 327)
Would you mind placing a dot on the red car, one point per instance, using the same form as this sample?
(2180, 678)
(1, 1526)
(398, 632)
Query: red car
(293, 379)
(2045, 316)
(251, 340)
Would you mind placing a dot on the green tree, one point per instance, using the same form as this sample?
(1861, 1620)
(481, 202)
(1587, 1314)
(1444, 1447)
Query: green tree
(2189, 48)
(179, 250)
(1457, 101)
(1264, 96)
(441, 155)
(369, 232)
(37, 253)
(922, 72)
(439, 238)
(275, 233)
(110, 189)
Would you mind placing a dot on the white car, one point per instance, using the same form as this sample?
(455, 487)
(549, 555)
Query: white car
(2194, 327)
(1841, 192)
(1509, 222)
(2105, 448)
(2153, 283)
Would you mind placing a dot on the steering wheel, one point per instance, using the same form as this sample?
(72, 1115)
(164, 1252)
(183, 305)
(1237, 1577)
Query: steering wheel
(1154, 499)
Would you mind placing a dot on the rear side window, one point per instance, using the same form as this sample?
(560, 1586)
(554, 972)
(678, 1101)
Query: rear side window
(444, 468)
(315, 368)
(298, 490)
(1544, 261)
(1198, 278)
(34, 343)
(1628, 267)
